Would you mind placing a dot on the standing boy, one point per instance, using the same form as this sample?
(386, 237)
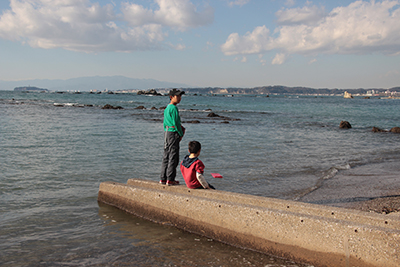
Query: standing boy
(173, 133)
(192, 168)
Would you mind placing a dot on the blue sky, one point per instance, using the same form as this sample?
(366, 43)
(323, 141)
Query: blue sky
(219, 43)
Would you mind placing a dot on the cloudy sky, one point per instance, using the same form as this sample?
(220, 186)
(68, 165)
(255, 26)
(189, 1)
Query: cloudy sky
(226, 43)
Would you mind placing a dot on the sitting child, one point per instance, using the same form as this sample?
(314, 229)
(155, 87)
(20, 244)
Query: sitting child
(192, 168)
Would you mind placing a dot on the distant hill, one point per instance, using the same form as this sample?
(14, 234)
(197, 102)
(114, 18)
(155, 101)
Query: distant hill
(30, 89)
(99, 83)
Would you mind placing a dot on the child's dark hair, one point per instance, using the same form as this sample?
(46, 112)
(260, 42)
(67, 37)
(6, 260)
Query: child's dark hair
(194, 147)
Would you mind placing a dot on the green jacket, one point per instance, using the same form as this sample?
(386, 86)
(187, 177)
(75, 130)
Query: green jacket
(172, 120)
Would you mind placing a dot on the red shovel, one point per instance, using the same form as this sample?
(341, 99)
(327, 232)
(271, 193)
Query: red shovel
(216, 175)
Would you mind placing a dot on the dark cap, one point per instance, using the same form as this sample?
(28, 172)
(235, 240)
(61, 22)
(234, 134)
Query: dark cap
(175, 92)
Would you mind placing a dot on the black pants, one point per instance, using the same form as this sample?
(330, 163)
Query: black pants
(171, 156)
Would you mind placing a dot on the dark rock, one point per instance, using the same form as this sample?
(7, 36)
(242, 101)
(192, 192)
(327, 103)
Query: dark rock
(395, 130)
(153, 108)
(344, 125)
(162, 108)
(224, 121)
(149, 92)
(193, 121)
(108, 106)
(378, 130)
(140, 107)
(212, 115)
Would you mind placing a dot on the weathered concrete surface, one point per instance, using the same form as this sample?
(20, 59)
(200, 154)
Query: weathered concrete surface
(319, 235)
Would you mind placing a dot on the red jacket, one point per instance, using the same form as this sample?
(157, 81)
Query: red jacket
(189, 167)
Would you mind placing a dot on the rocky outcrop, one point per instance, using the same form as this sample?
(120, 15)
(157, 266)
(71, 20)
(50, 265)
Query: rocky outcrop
(395, 130)
(345, 125)
(108, 106)
(378, 130)
(213, 115)
(149, 92)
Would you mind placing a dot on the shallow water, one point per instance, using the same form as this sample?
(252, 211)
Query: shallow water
(57, 149)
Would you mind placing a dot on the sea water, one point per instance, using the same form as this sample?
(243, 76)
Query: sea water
(56, 148)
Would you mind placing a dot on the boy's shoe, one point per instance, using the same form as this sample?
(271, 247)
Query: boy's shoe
(172, 182)
(163, 181)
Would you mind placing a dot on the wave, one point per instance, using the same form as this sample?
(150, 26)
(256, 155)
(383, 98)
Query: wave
(71, 105)
(326, 175)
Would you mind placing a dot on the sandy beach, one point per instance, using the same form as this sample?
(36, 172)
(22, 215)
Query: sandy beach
(371, 188)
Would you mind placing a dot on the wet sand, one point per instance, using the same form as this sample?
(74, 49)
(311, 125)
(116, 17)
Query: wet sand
(371, 188)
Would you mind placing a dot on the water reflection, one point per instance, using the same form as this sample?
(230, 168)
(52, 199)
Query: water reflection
(167, 246)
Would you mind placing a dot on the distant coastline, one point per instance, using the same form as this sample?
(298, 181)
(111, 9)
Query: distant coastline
(264, 90)
(121, 84)
(30, 89)
(282, 90)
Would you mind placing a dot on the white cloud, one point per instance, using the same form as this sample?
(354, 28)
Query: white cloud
(180, 47)
(238, 3)
(279, 59)
(290, 2)
(360, 28)
(80, 25)
(179, 14)
(392, 73)
(306, 15)
(312, 61)
(251, 43)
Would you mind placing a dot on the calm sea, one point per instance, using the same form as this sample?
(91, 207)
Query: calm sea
(57, 148)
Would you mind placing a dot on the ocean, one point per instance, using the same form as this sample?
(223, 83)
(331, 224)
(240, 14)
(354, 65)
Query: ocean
(56, 149)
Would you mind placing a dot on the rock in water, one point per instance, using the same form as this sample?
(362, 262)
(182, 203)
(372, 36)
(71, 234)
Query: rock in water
(395, 130)
(345, 125)
(378, 130)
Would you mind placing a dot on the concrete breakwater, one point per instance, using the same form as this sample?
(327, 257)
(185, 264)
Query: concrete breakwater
(315, 234)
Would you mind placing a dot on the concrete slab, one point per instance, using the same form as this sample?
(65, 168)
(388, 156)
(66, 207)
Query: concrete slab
(316, 234)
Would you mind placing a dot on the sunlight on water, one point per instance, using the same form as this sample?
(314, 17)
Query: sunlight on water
(58, 148)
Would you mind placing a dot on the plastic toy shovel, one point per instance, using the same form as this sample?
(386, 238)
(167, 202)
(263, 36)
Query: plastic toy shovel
(216, 175)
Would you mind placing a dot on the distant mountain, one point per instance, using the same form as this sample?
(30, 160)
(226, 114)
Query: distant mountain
(99, 83)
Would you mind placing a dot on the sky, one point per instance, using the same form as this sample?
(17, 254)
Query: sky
(204, 43)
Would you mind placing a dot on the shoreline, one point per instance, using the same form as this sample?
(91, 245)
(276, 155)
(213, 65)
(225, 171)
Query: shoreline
(370, 188)
(383, 205)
